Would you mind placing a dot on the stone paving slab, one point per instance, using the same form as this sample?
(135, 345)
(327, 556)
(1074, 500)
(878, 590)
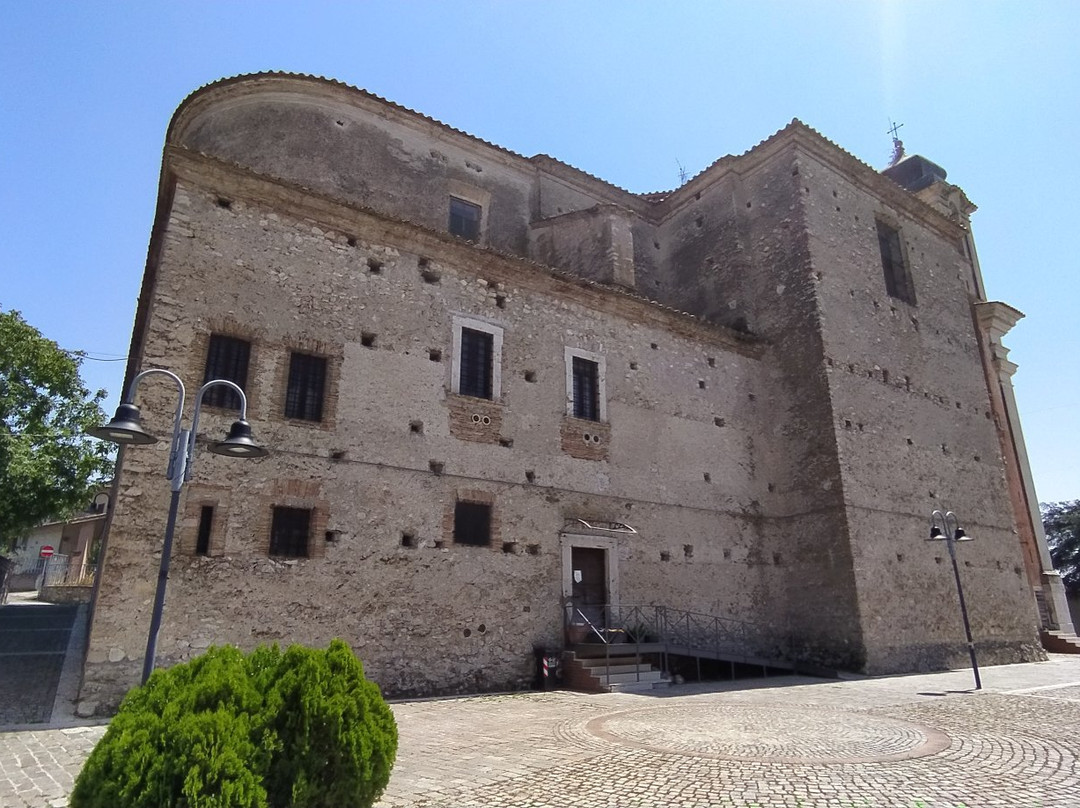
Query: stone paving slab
(923, 741)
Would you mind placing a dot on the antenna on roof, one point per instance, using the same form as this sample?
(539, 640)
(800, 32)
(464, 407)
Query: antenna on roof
(682, 172)
(897, 143)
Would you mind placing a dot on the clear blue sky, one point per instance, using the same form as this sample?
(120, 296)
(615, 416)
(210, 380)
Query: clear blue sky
(989, 90)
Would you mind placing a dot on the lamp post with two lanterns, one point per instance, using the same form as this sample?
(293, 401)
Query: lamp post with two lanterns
(125, 429)
(946, 527)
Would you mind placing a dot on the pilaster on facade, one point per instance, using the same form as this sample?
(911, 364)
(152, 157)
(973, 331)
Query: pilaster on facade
(995, 320)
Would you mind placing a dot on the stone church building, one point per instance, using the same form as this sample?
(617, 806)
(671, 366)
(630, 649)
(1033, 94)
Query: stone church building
(492, 384)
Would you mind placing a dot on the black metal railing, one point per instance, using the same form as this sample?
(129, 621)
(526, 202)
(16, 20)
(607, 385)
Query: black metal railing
(661, 630)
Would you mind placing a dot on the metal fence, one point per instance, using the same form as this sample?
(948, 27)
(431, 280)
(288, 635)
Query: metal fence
(59, 571)
(677, 631)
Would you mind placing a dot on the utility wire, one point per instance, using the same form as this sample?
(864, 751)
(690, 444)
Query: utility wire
(101, 356)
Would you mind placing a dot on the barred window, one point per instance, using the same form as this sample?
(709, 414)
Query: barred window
(476, 363)
(898, 282)
(472, 523)
(464, 219)
(206, 524)
(226, 358)
(307, 380)
(289, 532)
(586, 389)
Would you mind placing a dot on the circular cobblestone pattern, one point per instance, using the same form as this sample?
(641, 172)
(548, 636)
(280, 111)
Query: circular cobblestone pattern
(769, 734)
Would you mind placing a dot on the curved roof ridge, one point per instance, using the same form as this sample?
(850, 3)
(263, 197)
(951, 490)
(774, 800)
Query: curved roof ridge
(241, 77)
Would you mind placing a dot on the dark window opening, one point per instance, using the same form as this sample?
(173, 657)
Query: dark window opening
(226, 358)
(477, 352)
(289, 532)
(472, 523)
(586, 389)
(464, 219)
(307, 380)
(898, 281)
(206, 523)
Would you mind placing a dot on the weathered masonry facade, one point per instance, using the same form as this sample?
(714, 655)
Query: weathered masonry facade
(471, 365)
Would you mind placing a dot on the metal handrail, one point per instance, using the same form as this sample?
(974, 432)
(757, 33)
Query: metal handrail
(662, 628)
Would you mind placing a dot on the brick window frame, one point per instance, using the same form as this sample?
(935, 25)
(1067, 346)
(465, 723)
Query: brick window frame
(496, 333)
(595, 410)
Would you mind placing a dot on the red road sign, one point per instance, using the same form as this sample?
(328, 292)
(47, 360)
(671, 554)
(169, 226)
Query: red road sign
(46, 551)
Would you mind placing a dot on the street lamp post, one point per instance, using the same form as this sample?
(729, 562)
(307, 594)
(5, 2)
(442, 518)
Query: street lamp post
(946, 527)
(125, 429)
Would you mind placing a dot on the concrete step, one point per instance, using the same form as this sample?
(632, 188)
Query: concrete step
(1059, 642)
(649, 676)
(619, 673)
(616, 666)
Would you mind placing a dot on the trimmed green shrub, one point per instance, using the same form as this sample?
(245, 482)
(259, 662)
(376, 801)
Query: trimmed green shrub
(301, 728)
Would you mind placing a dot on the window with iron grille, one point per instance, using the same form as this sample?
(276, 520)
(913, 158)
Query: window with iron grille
(898, 281)
(289, 532)
(226, 358)
(586, 389)
(307, 380)
(206, 523)
(472, 523)
(464, 219)
(476, 363)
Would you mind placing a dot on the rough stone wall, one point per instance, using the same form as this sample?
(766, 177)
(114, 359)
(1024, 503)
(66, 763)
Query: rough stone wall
(426, 615)
(736, 250)
(596, 243)
(781, 478)
(914, 430)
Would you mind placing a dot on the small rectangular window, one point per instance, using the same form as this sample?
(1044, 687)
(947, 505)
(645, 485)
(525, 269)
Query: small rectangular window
(476, 363)
(307, 381)
(472, 523)
(464, 219)
(289, 532)
(898, 281)
(226, 358)
(586, 389)
(206, 524)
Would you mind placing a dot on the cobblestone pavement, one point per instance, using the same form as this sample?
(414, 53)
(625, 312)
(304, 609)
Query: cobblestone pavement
(922, 741)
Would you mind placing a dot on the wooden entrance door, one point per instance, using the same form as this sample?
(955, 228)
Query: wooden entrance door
(590, 588)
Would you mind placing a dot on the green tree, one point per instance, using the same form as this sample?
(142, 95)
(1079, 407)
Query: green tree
(1061, 521)
(48, 465)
